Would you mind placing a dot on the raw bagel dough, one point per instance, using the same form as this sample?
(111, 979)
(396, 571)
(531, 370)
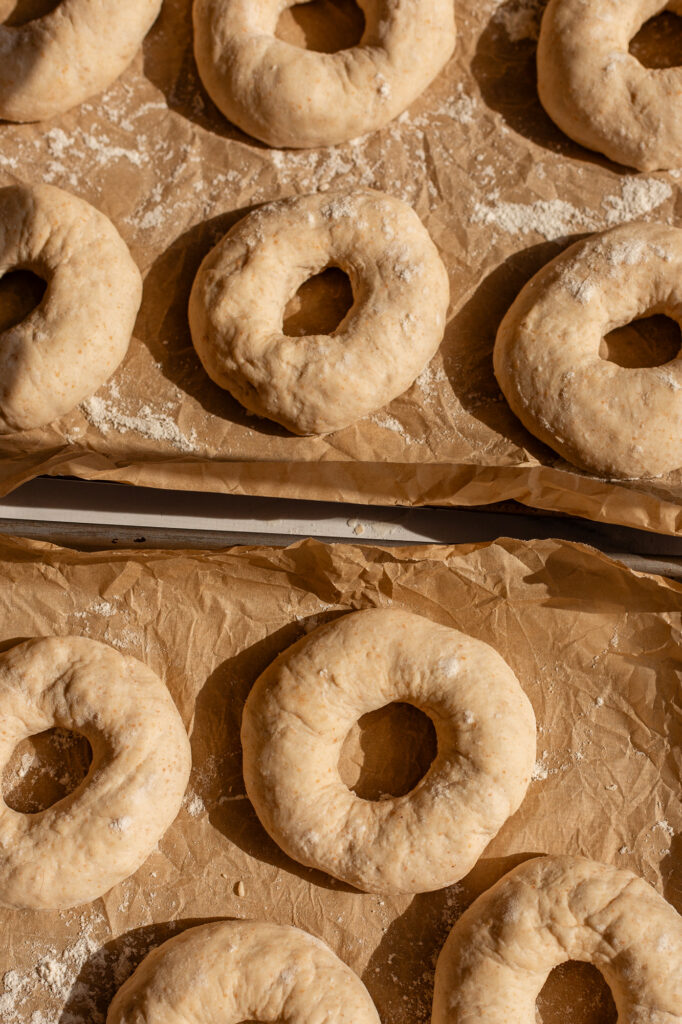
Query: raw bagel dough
(288, 96)
(320, 383)
(616, 421)
(73, 341)
(303, 706)
(549, 910)
(598, 93)
(233, 971)
(56, 62)
(102, 832)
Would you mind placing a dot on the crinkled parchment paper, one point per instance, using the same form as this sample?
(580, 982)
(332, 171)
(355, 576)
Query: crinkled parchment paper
(595, 646)
(500, 189)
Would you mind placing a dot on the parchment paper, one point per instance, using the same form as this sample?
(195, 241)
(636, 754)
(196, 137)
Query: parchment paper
(595, 646)
(498, 186)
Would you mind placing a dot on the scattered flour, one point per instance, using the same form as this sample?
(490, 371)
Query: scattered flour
(539, 772)
(520, 18)
(666, 827)
(195, 805)
(556, 218)
(157, 426)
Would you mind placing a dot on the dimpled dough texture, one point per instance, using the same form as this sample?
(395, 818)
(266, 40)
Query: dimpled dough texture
(320, 383)
(72, 342)
(617, 421)
(303, 706)
(288, 96)
(550, 910)
(598, 93)
(235, 971)
(99, 834)
(53, 63)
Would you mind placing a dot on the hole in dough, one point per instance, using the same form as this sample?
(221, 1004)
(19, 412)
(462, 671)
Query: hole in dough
(20, 12)
(20, 292)
(658, 44)
(44, 769)
(651, 341)
(576, 993)
(319, 305)
(325, 26)
(388, 751)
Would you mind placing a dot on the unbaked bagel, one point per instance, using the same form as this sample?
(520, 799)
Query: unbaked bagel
(613, 420)
(598, 93)
(55, 62)
(320, 383)
(102, 832)
(303, 706)
(73, 341)
(234, 971)
(549, 910)
(288, 96)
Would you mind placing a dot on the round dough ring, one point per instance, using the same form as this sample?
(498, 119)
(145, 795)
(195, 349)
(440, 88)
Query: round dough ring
(320, 383)
(612, 420)
(232, 971)
(549, 910)
(303, 706)
(72, 342)
(101, 833)
(288, 96)
(598, 93)
(53, 63)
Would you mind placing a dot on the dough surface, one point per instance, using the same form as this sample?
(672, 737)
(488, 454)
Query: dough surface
(598, 93)
(303, 706)
(76, 850)
(53, 63)
(549, 910)
(613, 420)
(235, 971)
(288, 96)
(72, 342)
(320, 383)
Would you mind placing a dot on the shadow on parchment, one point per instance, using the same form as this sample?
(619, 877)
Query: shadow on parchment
(216, 740)
(103, 973)
(324, 26)
(401, 969)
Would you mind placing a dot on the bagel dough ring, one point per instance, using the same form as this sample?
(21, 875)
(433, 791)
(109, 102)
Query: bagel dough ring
(232, 971)
(549, 910)
(285, 95)
(613, 420)
(72, 342)
(598, 93)
(303, 706)
(320, 383)
(53, 63)
(101, 833)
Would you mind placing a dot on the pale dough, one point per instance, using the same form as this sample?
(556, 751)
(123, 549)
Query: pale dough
(549, 910)
(102, 832)
(320, 383)
(616, 421)
(55, 62)
(288, 96)
(72, 342)
(235, 971)
(303, 706)
(598, 93)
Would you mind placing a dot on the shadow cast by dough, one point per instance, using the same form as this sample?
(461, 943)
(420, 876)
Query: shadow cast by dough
(103, 973)
(168, 336)
(506, 73)
(469, 363)
(401, 968)
(168, 54)
(216, 741)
